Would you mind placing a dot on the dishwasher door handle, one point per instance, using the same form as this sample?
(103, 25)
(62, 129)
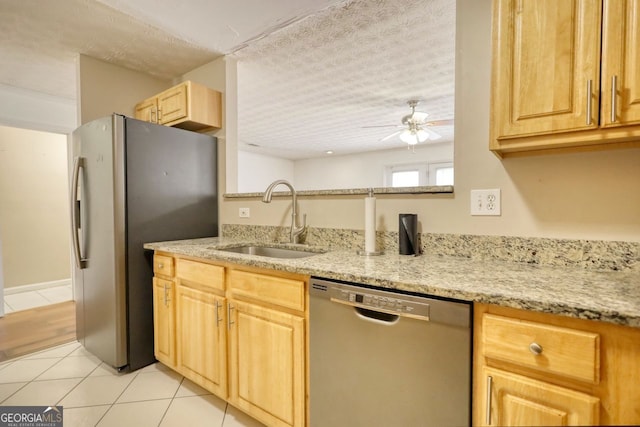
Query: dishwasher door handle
(377, 314)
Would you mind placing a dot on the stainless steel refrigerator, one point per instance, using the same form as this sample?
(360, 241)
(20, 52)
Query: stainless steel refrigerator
(132, 182)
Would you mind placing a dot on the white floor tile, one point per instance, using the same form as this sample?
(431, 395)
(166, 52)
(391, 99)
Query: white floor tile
(236, 418)
(25, 369)
(105, 369)
(137, 414)
(93, 391)
(150, 386)
(154, 367)
(83, 417)
(25, 300)
(195, 411)
(59, 351)
(7, 390)
(57, 294)
(43, 393)
(188, 388)
(70, 367)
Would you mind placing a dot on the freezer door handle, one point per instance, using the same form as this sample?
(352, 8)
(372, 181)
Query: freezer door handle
(78, 163)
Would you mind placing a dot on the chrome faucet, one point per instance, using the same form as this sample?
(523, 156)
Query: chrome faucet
(294, 234)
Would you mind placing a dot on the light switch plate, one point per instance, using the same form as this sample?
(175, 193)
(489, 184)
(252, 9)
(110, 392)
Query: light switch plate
(486, 202)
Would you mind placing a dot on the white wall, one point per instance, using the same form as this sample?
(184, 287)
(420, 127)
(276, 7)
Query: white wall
(362, 170)
(261, 170)
(34, 207)
(22, 108)
(590, 195)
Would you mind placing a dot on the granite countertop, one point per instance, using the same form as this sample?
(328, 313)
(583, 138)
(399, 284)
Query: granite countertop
(609, 296)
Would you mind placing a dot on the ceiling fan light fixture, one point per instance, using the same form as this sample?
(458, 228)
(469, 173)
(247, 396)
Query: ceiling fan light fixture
(413, 137)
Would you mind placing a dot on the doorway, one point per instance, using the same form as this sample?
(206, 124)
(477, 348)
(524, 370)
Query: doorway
(34, 219)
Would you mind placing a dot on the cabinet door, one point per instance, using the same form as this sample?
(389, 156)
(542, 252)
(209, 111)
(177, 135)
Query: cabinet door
(147, 110)
(267, 369)
(173, 104)
(520, 401)
(621, 63)
(546, 58)
(201, 339)
(164, 321)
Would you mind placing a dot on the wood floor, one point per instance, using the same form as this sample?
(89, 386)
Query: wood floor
(35, 329)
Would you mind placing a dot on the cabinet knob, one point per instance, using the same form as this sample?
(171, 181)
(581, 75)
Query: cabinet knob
(535, 348)
(160, 265)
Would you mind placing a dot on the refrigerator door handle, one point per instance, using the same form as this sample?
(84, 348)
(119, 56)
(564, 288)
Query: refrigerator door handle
(78, 163)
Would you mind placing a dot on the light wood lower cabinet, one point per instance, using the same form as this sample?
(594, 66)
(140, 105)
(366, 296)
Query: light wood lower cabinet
(516, 400)
(535, 369)
(164, 321)
(238, 332)
(266, 364)
(202, 338)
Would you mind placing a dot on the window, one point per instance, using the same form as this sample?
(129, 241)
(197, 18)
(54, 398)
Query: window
(421, 174)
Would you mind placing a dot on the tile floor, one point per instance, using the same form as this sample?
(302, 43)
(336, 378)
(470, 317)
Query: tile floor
(93, 394)
(30, 299)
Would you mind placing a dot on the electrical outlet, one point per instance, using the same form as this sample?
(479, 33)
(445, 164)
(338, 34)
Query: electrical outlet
(244, 213)
(485, 202)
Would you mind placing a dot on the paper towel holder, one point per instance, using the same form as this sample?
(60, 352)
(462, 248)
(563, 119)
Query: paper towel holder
(370, 234)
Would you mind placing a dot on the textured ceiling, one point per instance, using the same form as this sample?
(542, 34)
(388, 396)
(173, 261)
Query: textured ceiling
(317, 84)
(312, 73)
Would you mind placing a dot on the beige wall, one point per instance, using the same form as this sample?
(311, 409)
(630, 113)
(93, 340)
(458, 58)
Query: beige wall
(34, 211)
(580, 196)
(105, 89)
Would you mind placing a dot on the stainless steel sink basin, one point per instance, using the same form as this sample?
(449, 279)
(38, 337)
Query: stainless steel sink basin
(269, 251)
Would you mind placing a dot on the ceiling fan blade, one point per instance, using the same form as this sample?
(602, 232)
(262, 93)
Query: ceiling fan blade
(432, 135)
(391, 136)
(381, 126)
(448, 122)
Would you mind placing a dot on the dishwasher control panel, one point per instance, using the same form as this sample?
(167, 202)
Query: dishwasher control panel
(383, 301)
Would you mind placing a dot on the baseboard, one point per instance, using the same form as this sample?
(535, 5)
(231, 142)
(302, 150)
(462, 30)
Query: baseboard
(36, 286)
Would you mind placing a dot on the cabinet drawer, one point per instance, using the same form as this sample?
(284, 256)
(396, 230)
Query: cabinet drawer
(565, 352)
(201, 273)
(163, 265)
(272, 289)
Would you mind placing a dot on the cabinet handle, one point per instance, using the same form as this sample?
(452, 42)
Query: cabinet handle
(614, 97)
(159, 115)
(229, 321)
(589, 84)
(488, 408)
(535, 348)
(218, 319)
(160, 266)
(151, 113)
(166, 300)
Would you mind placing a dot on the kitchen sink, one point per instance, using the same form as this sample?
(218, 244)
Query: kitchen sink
(269, 251)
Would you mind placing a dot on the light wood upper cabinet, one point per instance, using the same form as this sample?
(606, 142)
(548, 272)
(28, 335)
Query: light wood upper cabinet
(547, 90)
(621, 63)
(188, 106)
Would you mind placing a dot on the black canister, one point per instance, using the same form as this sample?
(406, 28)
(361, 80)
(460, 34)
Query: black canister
(408, 242)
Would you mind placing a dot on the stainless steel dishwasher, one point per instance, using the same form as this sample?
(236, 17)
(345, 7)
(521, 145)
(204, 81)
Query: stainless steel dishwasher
(380, 358)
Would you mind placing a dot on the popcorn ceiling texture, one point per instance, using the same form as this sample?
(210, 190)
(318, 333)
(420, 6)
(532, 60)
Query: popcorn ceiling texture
(325, 78)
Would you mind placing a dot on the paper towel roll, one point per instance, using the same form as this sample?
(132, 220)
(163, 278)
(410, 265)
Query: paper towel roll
(369, 224)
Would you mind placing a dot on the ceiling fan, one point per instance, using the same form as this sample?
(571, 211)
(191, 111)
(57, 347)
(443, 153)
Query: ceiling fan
(415, 126)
